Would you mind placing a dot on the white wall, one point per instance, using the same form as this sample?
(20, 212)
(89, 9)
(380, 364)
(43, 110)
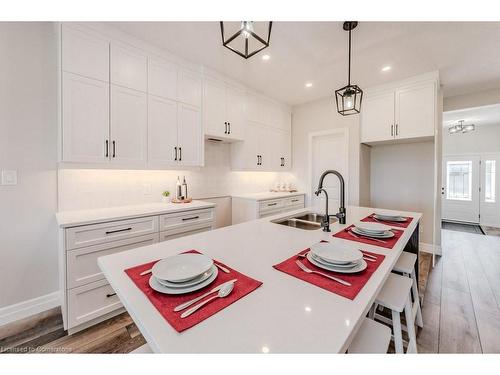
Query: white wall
(89, 188)
(28, 144)
(412, 163)
(477, 99)
(318, 116)
(485, 139)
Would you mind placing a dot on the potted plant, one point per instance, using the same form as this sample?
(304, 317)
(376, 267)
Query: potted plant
(165, 196)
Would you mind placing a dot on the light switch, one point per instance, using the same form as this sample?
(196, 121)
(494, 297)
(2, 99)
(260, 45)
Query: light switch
(9, 177)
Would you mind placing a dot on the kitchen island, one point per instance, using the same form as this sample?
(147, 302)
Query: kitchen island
(284, 315)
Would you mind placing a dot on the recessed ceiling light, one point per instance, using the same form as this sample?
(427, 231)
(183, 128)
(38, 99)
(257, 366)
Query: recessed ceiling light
(266, 57)
(386, 68)
(309, 84)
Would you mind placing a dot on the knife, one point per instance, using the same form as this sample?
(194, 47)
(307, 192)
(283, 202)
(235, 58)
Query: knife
(189, 303)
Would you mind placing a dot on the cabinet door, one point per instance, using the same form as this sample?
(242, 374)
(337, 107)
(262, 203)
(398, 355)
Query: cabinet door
(284, 147)
(162, 131)
(244, 155)
(190, 135)
(128, 125)
(377, 118)
(162, 79)
(416, 111)
(189, 88)
(214, 108)
(235, 109)
(85, 119)
(256, 110)
(85, 54)
(269, 148)
(129, 67)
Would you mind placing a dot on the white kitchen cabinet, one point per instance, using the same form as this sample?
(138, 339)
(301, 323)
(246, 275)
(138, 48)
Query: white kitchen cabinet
(280, 142)
(129, 67)
(162, 131)
(128, 130)
(162, 79)
(84, 53)
(256, 206)
(235, 112)
(189, 86)
(403, 113)
(85, 119)
(415, 111)
(189, 135)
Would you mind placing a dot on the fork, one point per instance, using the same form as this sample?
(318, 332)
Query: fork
(307, 270)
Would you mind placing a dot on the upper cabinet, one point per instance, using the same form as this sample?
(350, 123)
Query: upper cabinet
(407, 112)
(162, 79)
(129, 67)
(223, 111)
(189, 88)
(85, 54)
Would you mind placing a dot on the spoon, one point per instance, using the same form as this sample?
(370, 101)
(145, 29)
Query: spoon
(223, 292)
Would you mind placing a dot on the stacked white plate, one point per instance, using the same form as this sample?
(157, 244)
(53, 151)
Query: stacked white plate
(183, 273)
(336, 256)
(375, 230)
(393, 218)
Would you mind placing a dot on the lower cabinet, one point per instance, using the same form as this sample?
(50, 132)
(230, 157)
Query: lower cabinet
(87, 296)
(245, 209)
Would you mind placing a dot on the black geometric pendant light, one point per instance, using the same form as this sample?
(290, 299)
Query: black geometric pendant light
(246, 41)
(349, 97)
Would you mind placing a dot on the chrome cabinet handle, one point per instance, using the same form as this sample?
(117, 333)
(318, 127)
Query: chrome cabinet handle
(106, 148)
(119, 230)
(114, 149)
(175, 151)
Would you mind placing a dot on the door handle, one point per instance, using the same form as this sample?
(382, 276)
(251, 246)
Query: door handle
(106, 148)
(229, 125)
(392, 130)
(180, 153)
(258, 160)
(114, 149)
(119, 230)
(225, 124)
(396, 129)
(175, 152)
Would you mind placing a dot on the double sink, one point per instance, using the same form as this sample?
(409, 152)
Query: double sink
(308, 221)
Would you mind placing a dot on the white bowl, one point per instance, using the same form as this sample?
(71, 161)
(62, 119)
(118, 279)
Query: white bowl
(182, 267)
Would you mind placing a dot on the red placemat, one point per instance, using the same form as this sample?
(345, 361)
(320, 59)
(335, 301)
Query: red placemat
(388, 243)
(357, 280)
(165, 303)
(404, 224)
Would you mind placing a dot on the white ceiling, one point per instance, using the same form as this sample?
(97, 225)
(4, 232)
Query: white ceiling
(465, 53)
(480, 116)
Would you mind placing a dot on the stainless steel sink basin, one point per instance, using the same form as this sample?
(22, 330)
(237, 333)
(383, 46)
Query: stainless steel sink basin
(309, 221)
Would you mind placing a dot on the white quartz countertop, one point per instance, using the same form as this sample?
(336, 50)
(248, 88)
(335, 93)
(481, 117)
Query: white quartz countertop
(284, 315)
(92, 216)
(267, 195)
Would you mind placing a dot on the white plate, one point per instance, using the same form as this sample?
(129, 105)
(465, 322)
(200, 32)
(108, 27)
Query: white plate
(386, 234)
(399, 219)
(192, 282)
(326, 263)
(153, 283)
(371, 227)
(182, 267)
(336, 252)
(360, 267)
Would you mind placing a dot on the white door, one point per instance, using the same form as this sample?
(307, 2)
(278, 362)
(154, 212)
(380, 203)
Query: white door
(328, 150)
(214, 108)
(490, 182)
(460, 189)
(85, 119)
(235, 110)
(377, 118)
(415, 111)
(189, 135)
(162, 131)
(128, 125)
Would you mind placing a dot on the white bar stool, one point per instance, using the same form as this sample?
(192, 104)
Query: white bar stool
(406, 265)
(396, 296)
(371, 338)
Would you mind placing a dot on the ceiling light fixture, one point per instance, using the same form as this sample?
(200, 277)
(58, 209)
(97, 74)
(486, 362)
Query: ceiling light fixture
(246, 42)
(308, 84)
(348, 98)
(461, 128)
(266, 57)
(386, 68)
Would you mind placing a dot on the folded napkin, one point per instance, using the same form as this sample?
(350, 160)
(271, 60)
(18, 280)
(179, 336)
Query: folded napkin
(403, 224)
(165, 303)
(357, 280)
(388, 242)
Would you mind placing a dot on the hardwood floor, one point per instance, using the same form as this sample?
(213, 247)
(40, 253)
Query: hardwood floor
(461, 309)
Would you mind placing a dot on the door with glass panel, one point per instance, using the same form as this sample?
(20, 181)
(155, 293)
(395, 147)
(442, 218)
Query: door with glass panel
(490, 180)
(460, 189)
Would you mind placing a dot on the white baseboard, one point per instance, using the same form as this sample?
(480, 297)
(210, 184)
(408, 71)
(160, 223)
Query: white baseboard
(430, 248)
(30, 307)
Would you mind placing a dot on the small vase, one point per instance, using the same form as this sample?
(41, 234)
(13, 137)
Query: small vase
(165, 199)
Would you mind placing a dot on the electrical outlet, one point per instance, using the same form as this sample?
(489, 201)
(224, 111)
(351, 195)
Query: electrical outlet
(9, 177)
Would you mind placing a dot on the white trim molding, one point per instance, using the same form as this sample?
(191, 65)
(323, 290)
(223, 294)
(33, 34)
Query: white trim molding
(430, 248)
(28, 308)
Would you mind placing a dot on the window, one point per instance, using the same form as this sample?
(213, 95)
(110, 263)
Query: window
(489, 181)
(458, 180)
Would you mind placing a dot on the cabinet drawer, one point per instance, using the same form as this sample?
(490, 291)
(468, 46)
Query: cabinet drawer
(82, 267)
(91, 301)
(186, 231)
(295, 201)
(94, 234)
(186, 219)
(271, 205)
